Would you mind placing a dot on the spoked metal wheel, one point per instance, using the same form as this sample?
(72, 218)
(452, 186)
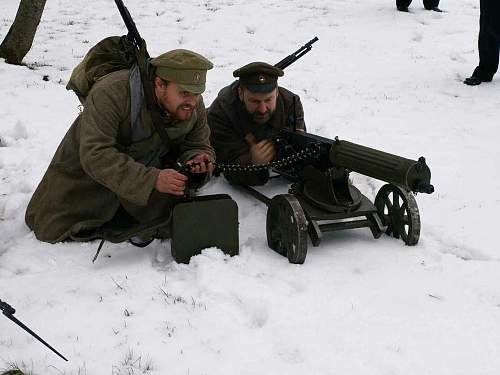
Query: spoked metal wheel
(399, 211)
(286, 227)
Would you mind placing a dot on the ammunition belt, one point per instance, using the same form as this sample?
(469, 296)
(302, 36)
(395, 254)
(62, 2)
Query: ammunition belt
(287, 161)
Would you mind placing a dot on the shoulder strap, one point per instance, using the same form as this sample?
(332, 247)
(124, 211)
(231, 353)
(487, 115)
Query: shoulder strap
(151, 104)
(138, 131)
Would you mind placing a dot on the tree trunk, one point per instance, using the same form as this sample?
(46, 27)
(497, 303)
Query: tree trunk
(20, 37)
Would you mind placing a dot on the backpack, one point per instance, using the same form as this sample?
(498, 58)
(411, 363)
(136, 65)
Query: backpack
(112, 54)
(109, 55)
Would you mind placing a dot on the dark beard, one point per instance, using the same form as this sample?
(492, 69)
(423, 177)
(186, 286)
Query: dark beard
(257, 120)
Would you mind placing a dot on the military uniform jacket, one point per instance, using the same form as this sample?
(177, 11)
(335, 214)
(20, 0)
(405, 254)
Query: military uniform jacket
(229, 123)
(98, 165)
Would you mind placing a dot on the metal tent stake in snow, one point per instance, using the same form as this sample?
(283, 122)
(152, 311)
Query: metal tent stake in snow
(9, 311)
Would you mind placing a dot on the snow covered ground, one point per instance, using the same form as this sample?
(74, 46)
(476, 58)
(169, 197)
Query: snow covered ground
(377, 77)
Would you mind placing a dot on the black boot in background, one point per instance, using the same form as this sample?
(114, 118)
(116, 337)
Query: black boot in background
(432, 5)
(403, 5)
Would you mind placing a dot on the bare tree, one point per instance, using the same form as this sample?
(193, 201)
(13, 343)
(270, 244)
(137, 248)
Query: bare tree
(20, 37)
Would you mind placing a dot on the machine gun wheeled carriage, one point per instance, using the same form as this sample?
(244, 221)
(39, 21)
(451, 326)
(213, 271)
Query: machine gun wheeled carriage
(321, 197)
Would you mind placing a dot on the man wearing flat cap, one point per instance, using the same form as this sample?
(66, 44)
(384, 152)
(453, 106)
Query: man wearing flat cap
(246, 114)
(112, 175)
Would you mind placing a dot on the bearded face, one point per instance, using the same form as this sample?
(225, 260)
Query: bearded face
(260, 106)
(179, 103)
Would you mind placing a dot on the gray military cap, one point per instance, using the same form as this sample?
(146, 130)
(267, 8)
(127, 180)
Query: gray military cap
(258, 76)
(186, 68)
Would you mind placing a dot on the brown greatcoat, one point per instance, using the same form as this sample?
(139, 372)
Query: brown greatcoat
(98, 168)
(229, 124)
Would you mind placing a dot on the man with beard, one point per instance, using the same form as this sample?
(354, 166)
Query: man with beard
(246, 114)
(488, 43)
(113, 175)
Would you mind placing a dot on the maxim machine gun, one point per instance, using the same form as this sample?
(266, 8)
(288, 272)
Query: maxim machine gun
(322, 198)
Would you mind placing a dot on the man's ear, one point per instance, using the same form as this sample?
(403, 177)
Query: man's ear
(158, 82)
(240, 93)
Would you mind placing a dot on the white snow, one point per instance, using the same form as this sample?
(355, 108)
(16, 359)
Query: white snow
(377, 77)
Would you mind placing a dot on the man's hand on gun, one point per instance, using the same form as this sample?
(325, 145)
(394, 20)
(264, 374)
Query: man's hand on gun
(201, 163)
(171, 182)
(261, 152)
(174, 182)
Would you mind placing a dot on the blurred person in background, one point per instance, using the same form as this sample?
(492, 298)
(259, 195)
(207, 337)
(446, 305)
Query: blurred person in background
(488, 43)
(403, 5)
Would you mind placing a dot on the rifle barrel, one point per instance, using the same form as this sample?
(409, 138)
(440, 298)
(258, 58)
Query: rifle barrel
(290, 59)
(8, 311)
(130, 24)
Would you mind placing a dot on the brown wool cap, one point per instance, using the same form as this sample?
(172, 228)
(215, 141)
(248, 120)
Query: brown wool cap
(186, 68)
(259, 76)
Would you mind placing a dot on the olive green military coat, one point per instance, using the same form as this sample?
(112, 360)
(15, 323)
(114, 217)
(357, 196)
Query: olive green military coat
(230, 123)
(98, 167)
